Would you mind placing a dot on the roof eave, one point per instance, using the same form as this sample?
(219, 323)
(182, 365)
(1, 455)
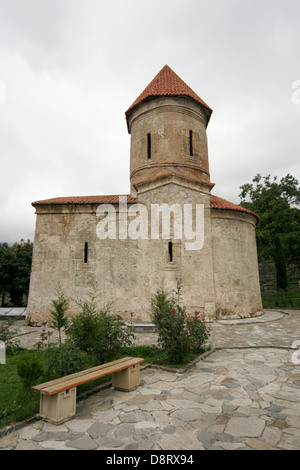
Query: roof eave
(206, 109)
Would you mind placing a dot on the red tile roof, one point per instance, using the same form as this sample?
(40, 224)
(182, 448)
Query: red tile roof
(215, 202)
(113, 199)
(167, 83)
(219, 203)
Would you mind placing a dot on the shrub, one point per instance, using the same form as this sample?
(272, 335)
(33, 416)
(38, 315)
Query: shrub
(178, 333)
(97, 332)
(169, 320)
(197, 332)
(44, 342)
(29, 370)
(58, 313)
(66, 360)
(7, 336)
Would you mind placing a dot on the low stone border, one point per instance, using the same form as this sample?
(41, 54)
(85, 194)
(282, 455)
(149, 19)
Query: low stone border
(274, 315)
(14, 427)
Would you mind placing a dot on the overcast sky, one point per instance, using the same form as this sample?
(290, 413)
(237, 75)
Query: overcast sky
(69, 69)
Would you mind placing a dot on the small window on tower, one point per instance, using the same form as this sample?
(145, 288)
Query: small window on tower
(86, 252)
(148, 145)
(191, 143)
(170, 251)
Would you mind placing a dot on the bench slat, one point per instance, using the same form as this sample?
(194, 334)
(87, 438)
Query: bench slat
(39, 387)
(87, 377)
(79, 378)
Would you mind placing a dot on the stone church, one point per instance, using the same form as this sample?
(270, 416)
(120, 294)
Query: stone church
(124, 244)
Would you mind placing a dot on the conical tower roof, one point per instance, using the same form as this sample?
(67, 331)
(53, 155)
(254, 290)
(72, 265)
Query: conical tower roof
(168, 83)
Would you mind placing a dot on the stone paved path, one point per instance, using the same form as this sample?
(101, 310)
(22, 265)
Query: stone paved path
(244, 395)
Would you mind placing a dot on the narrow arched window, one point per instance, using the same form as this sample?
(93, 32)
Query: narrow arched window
(86, 252)
(148, 145)
(191, 143)
(170, 251)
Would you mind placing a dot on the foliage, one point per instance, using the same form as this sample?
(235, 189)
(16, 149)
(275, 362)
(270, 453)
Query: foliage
(30, 370)
(65, 360)
(15, 405)
(281, 272)
(170, 321)
(156, 355)
(178, 333)
(197, 332)
(277, 204)
(59, 319)
(15, 268)
(44, 342)
(96, 331)
(289, 300)
(7, 335)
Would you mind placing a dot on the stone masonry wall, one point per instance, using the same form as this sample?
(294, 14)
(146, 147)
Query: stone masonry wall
(236, 276)
(127, 272)
(193, 267)
(169, 120)
(219, 279)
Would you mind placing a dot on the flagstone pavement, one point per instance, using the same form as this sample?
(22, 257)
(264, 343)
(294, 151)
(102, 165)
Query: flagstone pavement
(243, 394)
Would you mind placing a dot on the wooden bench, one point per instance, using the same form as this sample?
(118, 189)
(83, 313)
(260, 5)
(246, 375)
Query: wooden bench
(58, 397)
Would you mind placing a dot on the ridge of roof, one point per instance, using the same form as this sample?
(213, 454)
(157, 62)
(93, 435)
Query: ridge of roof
(167, 83)
(215, 202)
(109, 199)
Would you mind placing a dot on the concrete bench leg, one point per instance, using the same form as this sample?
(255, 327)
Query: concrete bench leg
(127, 379)
(59, 407)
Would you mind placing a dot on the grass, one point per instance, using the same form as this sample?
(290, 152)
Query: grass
(279, 300)
(17, 406)
(155, 355)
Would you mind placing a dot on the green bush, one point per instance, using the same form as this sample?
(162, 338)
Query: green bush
(197, 332)
(97, 332)
(29, 370)
(178, 333)
(169, 320)
(7, 336)
(59, 319)
(66, 360)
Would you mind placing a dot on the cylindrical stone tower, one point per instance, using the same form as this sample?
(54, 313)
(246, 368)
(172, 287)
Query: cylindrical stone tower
(168, 124)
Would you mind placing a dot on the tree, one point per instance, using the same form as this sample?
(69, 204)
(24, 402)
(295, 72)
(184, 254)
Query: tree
(277, 204)
(15, 269)
(6, 270)
(59, 319)
(280, 263)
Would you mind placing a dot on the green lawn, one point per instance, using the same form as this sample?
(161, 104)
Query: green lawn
(15, 406)
(289, 300)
